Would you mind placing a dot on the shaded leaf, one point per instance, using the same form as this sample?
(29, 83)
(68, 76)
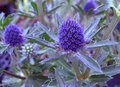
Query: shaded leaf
(48, 31)
(110, 28)
(91, 29)
(57, 57)
(103, 54)
(73, 83)
(111, 70)
(60, 81)
(89, 62)
(99, 78)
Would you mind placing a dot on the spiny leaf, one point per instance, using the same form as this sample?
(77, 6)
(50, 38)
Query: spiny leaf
(92, 28)
(102, 43)
(89, 62)
(54, 9)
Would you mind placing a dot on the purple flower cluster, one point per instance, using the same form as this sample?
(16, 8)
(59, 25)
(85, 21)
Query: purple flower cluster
(5, 60)
(89, 6)
(70, 35)
(12, 35)
(118, 26)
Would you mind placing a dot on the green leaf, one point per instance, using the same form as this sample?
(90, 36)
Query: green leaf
(102, 43)
(48, 31)
(41, 42)
(80, 9)
(55, 58)
(117, 12)
(89, 62)
(34, 5)
(53, 9)
(25, 14)
(111, 70)
(102, 20)
(7, 20)
(99, 78)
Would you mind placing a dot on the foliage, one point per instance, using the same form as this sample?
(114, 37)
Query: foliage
(41, 62)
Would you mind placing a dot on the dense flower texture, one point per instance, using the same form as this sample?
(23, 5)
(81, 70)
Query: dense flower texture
(12, 35)
(5, 60)
(90, 5)
(118, 26)
(71, 36)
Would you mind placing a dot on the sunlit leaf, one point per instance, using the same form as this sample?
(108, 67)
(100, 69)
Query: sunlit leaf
(102, 43)
(42, 42)
(34, 5)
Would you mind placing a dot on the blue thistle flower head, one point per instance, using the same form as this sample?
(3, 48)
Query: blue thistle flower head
(70, 35)
(12, 35)
(5, 61)
(118, 25)
(89, 6)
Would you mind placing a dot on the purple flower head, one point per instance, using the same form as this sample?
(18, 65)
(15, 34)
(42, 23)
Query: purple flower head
(118, 26)
(89, 6)
(70, 35)
(12, 35)
(5, 60)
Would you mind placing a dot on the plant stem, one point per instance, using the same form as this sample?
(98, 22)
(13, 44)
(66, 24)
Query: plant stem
(14, 75)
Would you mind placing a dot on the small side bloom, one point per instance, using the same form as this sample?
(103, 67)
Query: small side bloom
(118, 25)
(12, 35)
(89, 6)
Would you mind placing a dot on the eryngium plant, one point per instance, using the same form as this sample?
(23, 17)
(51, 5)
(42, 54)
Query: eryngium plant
(73, 49)
(71, 36)
(12, 35)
